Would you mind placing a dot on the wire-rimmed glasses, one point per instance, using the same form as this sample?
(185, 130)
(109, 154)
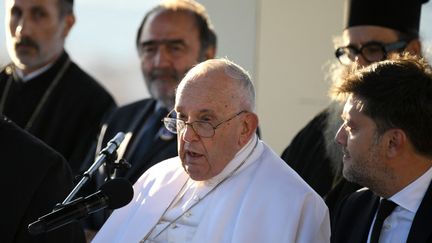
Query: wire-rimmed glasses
(202, 128)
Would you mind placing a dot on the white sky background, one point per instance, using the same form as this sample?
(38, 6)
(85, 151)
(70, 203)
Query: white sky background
(102, 42)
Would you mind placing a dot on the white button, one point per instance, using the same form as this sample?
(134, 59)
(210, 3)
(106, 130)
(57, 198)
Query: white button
(188, 214)
(173, 226)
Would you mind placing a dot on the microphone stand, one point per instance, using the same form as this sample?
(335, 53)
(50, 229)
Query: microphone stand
(108, 155)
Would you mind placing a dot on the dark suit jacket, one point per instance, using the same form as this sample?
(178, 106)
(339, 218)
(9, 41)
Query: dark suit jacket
(35, 178)
(354, 216)
(130, 119)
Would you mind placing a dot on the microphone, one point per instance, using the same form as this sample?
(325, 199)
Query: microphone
(113, 194)
(113, 144)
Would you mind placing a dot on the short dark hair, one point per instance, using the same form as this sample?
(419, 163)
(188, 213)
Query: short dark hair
(66, 7)
(397, 93)
(207, 35)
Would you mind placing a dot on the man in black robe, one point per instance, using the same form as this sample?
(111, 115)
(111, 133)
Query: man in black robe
(42, 90)
(35, 178)
(384, 25)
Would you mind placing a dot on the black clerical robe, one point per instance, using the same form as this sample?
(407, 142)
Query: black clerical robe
(66, 116)
(307, 155)
(35, 178)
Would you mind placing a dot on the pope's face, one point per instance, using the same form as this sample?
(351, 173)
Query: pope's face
(208, 98)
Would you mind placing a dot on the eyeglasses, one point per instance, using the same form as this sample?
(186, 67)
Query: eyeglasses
(372, 51)
(202, 128)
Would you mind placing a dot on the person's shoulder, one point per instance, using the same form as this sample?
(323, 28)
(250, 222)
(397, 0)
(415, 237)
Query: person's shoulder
(81, 79)
(129, 111)
(166, 169)
(136, 105)
(166, 166)
(354, 201)
(13, 135)
(283, 176)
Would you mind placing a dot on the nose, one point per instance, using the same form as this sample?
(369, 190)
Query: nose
(341, 136)
(188, 134)
(22, 28)
(162, 58)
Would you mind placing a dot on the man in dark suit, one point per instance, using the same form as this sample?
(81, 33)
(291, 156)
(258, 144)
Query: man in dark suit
(35, 178)
(385, 139)
(373, 29)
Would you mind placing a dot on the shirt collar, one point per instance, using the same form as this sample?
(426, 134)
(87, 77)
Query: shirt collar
(33, 74)
(240, 156)
(412, 195)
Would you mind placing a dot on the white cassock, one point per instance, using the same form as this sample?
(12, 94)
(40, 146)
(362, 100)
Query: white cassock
(263, 201)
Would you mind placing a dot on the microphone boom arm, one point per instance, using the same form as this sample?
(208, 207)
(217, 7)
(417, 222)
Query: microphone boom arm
(109, 153)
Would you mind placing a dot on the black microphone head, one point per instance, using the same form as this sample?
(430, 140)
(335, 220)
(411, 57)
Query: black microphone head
(119, 192)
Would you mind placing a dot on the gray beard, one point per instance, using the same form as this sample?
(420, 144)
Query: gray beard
(333, 150)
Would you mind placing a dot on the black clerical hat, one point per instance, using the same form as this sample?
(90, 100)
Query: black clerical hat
(401, 15)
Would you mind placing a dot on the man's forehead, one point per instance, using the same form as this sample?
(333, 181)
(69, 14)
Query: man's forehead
(354, 104)
(30, 3)
(367, 33)
(168, 24)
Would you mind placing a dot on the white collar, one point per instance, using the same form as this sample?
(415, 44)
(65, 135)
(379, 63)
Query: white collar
(33, 74)
(412, 195)
(240, 156)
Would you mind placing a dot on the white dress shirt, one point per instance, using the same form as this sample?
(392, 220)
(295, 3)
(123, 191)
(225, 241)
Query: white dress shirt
(33, 74)
(397, 225)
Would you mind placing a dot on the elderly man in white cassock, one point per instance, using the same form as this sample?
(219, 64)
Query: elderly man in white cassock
(226, 185)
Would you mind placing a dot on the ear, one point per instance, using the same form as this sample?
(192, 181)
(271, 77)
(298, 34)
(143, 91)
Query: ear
(248, 127)
(396, 140)
(414, 47)
(69, 21)
(210, 53)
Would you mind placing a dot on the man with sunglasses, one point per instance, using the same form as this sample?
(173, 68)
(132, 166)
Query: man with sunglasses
(226, 185)
(374, 29)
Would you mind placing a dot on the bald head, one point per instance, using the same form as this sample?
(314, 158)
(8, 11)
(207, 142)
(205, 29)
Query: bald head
(215, 95)
(221, 79)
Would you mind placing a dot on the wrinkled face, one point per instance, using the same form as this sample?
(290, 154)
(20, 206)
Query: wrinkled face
(362, 150)
(208, 98)
(35, 33)
(169, 47)
(359, 35)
